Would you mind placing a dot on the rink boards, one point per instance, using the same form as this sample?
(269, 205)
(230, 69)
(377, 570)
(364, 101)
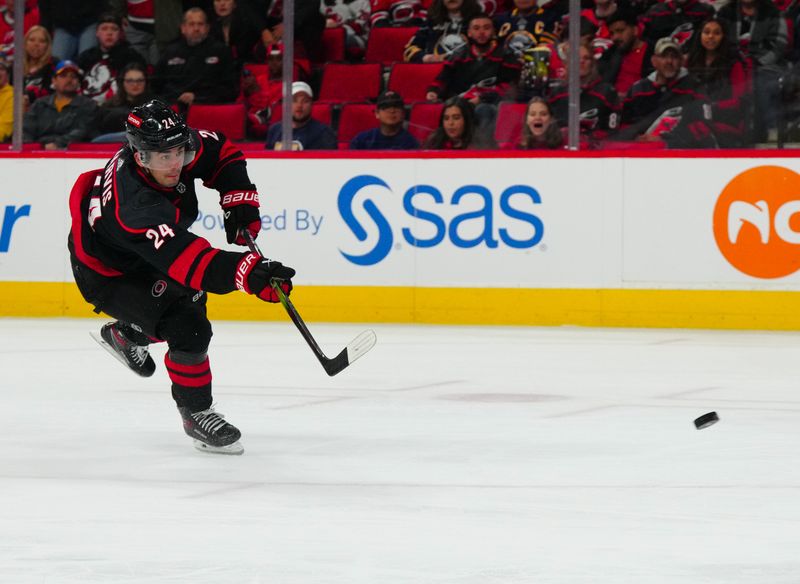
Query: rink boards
(671, 241)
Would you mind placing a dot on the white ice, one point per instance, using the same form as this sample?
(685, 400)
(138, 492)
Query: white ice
(447, 455)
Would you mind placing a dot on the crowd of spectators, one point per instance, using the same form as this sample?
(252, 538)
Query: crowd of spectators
(680, 73)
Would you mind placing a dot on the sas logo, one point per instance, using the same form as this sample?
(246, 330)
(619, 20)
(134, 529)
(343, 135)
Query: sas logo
(757, 222)
(467, 218)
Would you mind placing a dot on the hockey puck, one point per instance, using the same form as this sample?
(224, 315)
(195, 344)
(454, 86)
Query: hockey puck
(706, 420)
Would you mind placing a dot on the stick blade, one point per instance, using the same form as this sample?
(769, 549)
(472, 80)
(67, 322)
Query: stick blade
(357, 348)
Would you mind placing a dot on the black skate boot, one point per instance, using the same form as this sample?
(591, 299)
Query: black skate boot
(115, 337)
(211, 432)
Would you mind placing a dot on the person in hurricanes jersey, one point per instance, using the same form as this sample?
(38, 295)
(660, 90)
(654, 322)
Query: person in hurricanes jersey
(134, 258)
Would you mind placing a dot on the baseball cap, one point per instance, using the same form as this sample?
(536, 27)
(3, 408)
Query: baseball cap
(302, 87)
(664, 44)
(109, 17)
(390, 99)
(67, 65)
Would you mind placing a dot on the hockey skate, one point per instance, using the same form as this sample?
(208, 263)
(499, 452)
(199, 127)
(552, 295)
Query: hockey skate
(210, 431)
(135, 357)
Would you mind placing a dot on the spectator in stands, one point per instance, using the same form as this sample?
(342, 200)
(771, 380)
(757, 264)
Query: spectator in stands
(456, 130)
(390, 135)
(7, 24)
(65, 116)
(397, 13)
(761, 32)
(480, 71)
(73, 25)
(628, 60)
(678, 19)
(657, 103)
(353, 16)
(111, 116)
(443, 33)
(150, 26)
(307, 133)
(723, 75)
(6, 103)
(540, 129)
(237, 27)
(196, 69)
(529, 24)
(599, 104)
(308, 27)
(102, 64)
(38, 63)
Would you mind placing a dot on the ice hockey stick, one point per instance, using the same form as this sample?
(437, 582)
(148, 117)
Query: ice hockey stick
(355, 349)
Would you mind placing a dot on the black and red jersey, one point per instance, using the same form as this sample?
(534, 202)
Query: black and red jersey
(123, 222)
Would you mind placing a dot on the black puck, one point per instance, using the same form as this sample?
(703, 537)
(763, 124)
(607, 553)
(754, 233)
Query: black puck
(706, 420)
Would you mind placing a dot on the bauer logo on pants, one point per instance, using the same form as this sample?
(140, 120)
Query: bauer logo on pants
(757, 222)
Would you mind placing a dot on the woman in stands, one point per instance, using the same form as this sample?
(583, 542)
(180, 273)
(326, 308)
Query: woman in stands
(238, 27)
(112, 115)
(540, 129)
(38, 62)
(444, 31)
(456, 129)
(725, 78)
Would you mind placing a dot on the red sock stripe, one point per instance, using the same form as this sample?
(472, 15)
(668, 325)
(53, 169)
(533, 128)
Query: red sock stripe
(195, 375)
(179, 270)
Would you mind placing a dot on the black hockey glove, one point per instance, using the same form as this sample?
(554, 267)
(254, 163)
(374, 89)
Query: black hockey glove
(240, 211)
(254, 275)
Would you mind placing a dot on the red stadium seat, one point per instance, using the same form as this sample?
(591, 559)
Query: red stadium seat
(343, 82)
(333, 44)
(386, 45)
(228, 119)
(355, 118)
(508, 127)
(411, 80)
(424, 119)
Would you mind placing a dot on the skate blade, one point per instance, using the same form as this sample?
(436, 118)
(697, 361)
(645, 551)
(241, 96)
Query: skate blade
(102, 342)
(236, 448)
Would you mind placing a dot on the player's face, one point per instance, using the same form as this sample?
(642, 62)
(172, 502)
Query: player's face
(711, 36)
(538, 119)
(453, 123)
(165, 167)
(194, 28)
(108, 35)
(622, 34)
(36, 44)
(224, 7)
(481, 31)
(301, 107)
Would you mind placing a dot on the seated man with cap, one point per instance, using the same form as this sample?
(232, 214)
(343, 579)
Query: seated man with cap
(390, 134)
(63, 117)
(658, 102)
(307, 133)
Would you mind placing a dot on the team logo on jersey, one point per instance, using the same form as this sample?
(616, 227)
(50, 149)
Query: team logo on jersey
(159, 288)
(757, 222)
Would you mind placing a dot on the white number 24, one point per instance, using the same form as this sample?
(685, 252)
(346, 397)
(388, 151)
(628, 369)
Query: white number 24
(159, 236)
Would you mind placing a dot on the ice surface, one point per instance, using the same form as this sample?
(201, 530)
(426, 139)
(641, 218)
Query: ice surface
(447, 455)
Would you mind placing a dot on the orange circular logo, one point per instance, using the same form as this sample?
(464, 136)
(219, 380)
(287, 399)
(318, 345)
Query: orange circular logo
(757, 222)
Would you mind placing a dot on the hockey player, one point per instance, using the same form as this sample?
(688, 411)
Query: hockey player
(133, 257)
